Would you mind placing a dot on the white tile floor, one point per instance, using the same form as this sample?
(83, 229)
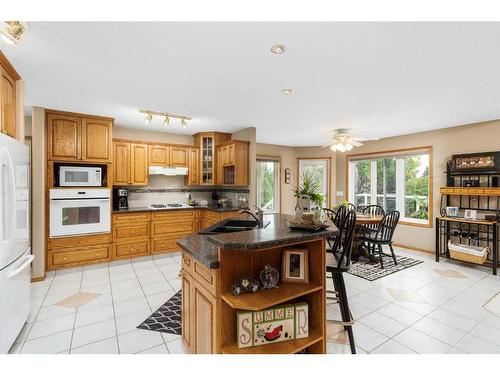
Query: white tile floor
(417, 310)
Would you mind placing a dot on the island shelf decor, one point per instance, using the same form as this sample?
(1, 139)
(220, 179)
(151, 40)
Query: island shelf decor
(281, 323)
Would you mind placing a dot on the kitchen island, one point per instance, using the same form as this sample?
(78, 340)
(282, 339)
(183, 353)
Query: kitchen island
(212, 263)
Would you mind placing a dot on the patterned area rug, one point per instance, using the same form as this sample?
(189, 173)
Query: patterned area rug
(371, 270)
(167, 318)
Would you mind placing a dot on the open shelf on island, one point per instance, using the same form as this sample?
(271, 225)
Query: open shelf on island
(285, 347)
(266, 298)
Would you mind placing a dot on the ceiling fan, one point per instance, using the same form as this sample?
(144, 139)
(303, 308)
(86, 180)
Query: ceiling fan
(343, 142)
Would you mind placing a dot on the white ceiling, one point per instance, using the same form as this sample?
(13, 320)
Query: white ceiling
(378, 79)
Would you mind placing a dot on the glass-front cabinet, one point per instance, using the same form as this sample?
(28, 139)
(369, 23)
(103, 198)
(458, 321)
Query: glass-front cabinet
(207, 143)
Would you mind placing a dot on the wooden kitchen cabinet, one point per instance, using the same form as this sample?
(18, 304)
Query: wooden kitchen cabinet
(193, 177)
(121, 163)
(207, 143)
(131, 235)
(168, 227)
(139, 164)
(7, 103)
(159, 155)
(178, 156)
(201, 309)
(232, 161)
(63, 137)
(130, 164)
(96, 140)
(77, 137)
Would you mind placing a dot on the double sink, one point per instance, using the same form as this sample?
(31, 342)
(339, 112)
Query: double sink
(231, 226)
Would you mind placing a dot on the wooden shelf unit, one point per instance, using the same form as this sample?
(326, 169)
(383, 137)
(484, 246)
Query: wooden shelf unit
(267, 298)
(286, 347)
(235, 263)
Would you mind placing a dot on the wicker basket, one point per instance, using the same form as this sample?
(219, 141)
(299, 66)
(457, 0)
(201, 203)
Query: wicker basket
(468, 253)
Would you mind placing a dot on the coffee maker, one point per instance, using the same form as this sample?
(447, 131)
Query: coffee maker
(120, 199)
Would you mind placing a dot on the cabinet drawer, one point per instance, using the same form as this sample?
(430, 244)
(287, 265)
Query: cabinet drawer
(130, 250)
(135, 232)
(167, 227)
(206, 277)
(129, 218)
(214, 216)
(88, 254)
(78, 241)
(180, 215)
(165, 245)
(187, 262)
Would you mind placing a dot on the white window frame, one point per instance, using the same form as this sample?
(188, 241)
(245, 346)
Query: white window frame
(400, 180)
(277, 184)
(326, 179)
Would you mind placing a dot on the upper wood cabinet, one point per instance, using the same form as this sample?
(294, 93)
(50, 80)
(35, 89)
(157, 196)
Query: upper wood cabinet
(178, 156)
(7, 103)
(73, 137)
(168, 156)
(121, 163)
(64, 137)
(193, 177)
(130, 164)
(159, 155)
(96, 140)
(232, 161)
(207, 142)
(138, 164)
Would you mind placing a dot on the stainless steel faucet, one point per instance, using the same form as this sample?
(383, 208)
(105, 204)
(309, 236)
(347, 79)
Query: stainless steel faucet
(258, 215)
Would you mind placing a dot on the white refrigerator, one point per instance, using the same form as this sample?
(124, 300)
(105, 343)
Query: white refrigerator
(15, 251)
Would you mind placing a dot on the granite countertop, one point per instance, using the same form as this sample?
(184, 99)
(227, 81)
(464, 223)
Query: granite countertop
(204, 247)
(147, 209)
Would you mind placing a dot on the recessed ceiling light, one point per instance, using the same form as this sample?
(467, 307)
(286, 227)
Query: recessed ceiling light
(287, 91)
(278, 49)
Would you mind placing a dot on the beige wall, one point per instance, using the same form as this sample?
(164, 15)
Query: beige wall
(151, 136)
(287, 160)
(445, 142)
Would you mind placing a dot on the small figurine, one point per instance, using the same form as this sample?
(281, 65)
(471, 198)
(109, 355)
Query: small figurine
(269, 277)
(245, 284)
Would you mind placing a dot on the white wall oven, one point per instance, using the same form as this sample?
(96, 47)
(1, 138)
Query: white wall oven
(72, 175)
(79, 212)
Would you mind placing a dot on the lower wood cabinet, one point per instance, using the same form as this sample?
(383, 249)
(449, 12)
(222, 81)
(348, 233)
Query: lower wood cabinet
(130, 250)
(200, 308)
(74, 256)
(131, 235)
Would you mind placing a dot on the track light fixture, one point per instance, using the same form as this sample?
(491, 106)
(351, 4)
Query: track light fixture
(166, 117)
(13, 31)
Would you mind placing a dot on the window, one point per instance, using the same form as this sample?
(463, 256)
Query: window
(395, 181)
(268, 185)
(320, 169)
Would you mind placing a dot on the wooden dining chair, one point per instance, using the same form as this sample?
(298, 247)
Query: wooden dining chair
(382, 235)
(337, 264)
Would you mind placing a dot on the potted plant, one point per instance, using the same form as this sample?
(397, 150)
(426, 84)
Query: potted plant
(307, 192)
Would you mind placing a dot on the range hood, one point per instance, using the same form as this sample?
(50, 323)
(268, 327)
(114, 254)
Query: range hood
(169, 171)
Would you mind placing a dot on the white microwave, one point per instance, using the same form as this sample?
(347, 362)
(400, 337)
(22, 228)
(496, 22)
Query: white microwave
(70, 175)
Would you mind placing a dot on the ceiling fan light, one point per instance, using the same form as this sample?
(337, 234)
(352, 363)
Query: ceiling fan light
(348, 147)
(166, 121)
(148, 118)
(341, 147)
(183, 123)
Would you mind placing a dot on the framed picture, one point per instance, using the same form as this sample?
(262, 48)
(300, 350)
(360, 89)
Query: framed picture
(295, 266)
(470, 214)
(452, 211)
(287, 175)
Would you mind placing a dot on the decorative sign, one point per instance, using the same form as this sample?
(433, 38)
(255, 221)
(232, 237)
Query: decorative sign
(281, 323)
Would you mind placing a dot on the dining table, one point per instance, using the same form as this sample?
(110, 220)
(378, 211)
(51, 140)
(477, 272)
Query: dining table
(358, 249)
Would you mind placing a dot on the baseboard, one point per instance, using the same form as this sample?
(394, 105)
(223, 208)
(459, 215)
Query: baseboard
(38, 278)
(414, 248)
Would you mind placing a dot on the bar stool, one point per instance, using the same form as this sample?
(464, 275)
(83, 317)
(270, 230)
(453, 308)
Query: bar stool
(337, 264)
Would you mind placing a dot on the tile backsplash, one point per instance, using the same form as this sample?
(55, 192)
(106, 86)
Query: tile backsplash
(171, 189)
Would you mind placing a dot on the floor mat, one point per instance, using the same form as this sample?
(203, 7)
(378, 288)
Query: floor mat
(167, 318)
